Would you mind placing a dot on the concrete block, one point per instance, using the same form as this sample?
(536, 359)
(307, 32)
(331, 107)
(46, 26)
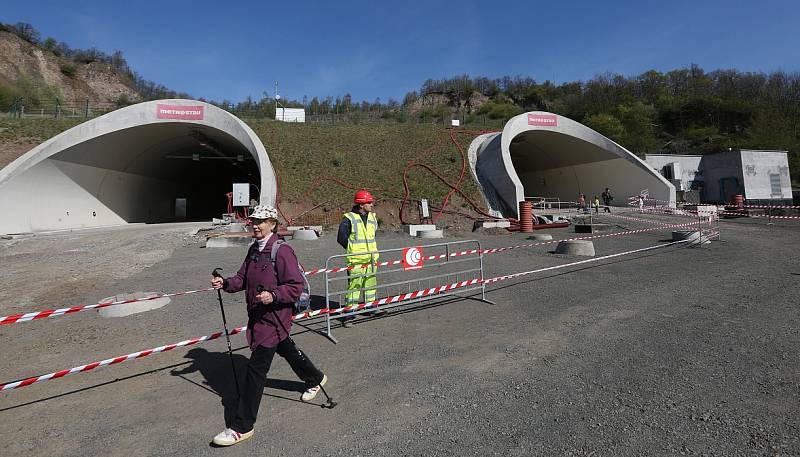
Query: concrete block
(316, 228)
(412, 229)
(237, 227)
(541, 237)
(430, 233)
(306, 235)
(132, 308)
(575, 247)
(228, 242)
(504, 223)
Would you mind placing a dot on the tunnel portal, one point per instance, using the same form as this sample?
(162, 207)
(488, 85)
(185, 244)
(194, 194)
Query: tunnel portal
(155, 162)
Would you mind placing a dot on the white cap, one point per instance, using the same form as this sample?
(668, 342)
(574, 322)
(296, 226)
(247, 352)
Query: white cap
(264, 212)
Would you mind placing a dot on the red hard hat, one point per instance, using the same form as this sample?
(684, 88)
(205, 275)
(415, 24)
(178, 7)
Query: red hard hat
(363, 196)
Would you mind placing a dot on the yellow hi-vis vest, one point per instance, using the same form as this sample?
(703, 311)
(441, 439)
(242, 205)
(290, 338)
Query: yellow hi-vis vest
(361, 239)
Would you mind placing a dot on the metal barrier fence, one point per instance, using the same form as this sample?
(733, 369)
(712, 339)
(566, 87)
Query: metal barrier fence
(46, 109)
(551, 203)
(454, 262)
(60, 109)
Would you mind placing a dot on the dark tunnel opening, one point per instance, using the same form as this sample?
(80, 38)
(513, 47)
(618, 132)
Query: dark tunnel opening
(163, 172)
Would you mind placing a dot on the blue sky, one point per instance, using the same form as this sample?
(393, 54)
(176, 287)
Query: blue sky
(232, 49)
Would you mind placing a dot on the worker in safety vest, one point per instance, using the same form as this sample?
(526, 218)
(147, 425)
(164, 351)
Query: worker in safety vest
(357, 236)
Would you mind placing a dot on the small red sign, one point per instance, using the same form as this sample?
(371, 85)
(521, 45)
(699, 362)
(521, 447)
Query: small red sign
(544, 120)
(412, 258)
(184, 112)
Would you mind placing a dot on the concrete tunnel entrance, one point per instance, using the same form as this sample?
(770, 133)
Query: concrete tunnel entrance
(551, 164)
(160, 161)
(161, 172)
(541, 154)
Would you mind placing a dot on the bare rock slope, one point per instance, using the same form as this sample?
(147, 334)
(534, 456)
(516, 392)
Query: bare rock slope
(97, 82)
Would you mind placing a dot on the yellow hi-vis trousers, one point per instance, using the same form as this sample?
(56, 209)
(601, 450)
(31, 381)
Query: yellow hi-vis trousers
(361, 278)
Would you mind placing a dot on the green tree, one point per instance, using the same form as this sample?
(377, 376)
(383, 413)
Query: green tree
(49, 44)
(607, 125)
(637, 121)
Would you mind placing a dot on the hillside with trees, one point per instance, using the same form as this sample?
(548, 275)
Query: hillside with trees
(685, 111)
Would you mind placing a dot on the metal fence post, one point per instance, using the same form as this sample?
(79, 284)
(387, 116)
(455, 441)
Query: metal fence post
(328, 304)
(483, 275)
(700, 229)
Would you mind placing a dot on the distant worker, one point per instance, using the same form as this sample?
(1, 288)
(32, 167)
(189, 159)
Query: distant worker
(607, 197)
(582, 202)
(596, 203)
(641, 203)
(357, 236)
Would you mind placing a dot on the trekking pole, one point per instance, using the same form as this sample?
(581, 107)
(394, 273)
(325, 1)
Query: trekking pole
(216, 274)
(330, 404)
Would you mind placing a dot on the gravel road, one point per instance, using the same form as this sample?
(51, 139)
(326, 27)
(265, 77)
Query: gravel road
(677, 351)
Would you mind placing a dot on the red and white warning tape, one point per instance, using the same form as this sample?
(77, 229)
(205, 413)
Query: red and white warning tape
(634, 199)
(26, 317)
(383, 301)
(761, 216)
(213, 336)
(388, 300)
(667, 211)
(764, 206)
(113, 361)
(634, 219)
(627, 232)
(386, 263)
(496, 250)
(595, 259)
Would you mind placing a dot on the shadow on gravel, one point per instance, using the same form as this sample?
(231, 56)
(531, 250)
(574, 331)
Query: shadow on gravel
(95, 386)
(215, 367)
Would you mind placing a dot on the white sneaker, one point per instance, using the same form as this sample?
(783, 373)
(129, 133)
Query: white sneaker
(229, 437)
(312, 392)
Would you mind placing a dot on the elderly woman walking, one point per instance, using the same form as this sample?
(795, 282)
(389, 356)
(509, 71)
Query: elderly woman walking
(271, 286)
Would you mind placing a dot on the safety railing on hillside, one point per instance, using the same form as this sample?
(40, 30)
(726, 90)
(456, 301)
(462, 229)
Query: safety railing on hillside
(50, 109)
(84, 109)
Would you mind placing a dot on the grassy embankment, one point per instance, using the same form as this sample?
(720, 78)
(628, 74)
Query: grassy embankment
(368, 155)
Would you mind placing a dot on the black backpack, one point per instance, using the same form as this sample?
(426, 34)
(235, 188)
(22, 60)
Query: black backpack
(303, 303)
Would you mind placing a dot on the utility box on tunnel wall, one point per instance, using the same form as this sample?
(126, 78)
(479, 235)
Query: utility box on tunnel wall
(241, 194)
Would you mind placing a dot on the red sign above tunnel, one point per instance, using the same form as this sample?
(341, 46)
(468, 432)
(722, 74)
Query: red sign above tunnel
(545, 120)
(190, 113)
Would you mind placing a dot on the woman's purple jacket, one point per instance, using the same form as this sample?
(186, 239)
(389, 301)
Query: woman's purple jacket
(270, 324)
